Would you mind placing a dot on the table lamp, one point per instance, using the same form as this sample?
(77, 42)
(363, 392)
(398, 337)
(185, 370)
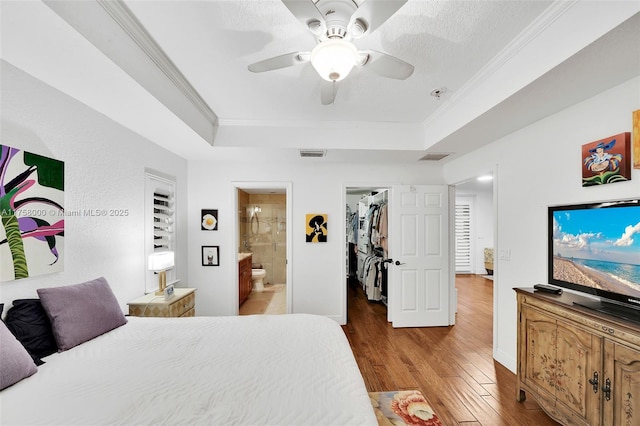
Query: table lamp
(159, 263)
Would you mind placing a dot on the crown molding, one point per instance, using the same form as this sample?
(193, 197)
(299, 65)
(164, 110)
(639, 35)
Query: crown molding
(123, 16)
(537, 27)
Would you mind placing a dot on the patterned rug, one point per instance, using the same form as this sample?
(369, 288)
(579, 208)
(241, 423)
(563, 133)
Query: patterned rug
(398, 408)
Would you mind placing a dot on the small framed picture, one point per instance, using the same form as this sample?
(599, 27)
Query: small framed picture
(607, 160)
(316, 228)
(210, 255)
(209, 219)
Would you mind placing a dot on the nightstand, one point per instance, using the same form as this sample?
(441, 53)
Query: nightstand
(182, 304)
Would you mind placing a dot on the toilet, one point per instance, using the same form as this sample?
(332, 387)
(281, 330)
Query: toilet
(257, 278)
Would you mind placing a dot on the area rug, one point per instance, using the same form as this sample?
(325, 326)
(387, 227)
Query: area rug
(398, 408)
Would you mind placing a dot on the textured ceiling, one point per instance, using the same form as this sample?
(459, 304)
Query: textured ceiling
(213, 42)
(504, 64)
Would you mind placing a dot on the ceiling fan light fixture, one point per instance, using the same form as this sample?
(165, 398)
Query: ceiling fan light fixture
(333, 59)
(358, 28)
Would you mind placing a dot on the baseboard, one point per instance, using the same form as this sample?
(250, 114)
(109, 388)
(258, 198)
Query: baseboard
(505, 359)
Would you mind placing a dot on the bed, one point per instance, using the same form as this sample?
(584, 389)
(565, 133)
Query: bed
(295, 369)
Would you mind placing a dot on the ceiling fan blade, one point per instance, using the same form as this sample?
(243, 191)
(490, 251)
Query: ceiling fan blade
(387, 65)
(328, 91)
(282, 61)
(304, 10)
(376, 12)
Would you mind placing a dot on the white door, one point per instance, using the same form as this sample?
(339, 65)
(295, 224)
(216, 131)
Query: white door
(420, 285)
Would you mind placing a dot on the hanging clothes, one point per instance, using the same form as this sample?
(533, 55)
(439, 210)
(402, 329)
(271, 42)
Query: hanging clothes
(352, 229)
(373, 248)
(378, 228)
(374, 276)
(383, 230)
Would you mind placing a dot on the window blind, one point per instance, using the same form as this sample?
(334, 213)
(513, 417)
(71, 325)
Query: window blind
(160, 222)
(463, 237)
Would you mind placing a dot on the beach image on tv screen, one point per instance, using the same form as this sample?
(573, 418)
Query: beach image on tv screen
(598, 248)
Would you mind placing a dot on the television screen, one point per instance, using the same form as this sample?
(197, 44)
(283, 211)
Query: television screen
(595, 248)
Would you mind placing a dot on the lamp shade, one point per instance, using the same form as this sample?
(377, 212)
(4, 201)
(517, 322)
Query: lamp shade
(161, 261)
(333, 59)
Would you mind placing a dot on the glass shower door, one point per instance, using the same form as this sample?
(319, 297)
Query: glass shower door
(269, 240)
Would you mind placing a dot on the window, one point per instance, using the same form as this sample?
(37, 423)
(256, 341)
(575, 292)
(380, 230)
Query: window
(464, 260)
(160, 230)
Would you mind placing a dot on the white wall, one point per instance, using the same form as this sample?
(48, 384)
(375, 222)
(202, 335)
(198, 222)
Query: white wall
(537, 166)
(104, 169)
(317, 283)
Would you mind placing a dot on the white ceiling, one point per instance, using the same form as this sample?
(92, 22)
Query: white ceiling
(505, 64)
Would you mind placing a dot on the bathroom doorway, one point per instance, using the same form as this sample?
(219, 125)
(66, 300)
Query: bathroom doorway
(262, 232)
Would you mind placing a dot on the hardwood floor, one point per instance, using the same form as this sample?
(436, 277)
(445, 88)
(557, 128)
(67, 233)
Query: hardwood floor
(452, 366)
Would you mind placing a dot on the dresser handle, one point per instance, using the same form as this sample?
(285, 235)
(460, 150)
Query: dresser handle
(608, 329)
(594, 382)
(607, 389)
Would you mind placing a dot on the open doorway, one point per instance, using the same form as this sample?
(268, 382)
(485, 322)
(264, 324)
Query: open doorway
(365, 245)
(475, 221)
(419, 246)
(263, 240)
(474, 227)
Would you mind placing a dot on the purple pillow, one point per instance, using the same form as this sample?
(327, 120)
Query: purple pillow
(81, 312)
(16, 362)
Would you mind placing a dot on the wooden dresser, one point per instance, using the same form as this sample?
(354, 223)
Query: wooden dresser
(244, 277)
(182, 304)
(581, 366)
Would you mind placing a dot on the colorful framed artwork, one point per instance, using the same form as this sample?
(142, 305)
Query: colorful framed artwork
(210, 255)
(32, 212)
(636, 139)
(209, 220)
(316, 231)
(607, 160)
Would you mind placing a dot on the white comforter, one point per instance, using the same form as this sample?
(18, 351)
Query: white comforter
(252, 370)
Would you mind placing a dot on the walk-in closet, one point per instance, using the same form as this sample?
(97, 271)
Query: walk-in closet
(367, 241)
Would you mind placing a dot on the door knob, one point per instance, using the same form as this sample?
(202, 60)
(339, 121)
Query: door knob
(397, 262)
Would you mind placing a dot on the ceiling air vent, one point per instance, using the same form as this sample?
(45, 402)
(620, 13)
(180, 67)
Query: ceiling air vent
(312, 153)
(435, 156)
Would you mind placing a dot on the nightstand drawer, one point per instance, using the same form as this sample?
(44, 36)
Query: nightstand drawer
(182, 304)
(190, 313)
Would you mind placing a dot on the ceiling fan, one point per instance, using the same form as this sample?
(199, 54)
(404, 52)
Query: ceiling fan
(335, 23)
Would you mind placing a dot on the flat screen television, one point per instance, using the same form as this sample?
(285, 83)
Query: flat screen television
(595, 248)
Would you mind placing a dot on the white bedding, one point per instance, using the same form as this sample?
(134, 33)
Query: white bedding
(251, 370)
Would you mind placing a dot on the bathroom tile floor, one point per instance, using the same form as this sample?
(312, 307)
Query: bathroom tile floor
(273, 300)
